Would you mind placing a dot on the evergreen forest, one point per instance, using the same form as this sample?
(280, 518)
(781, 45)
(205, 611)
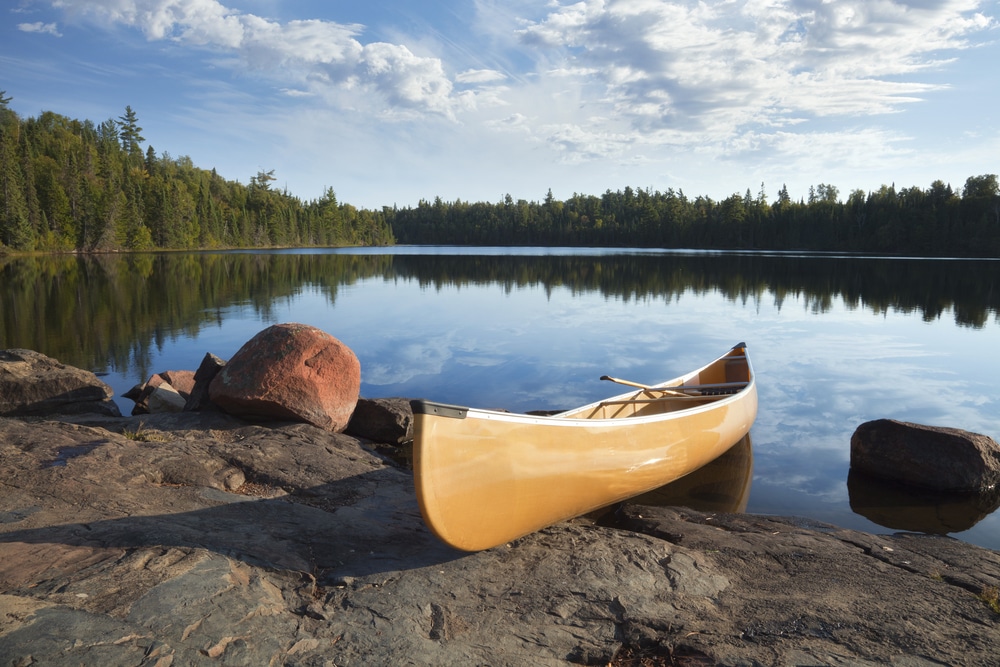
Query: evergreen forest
(70, 185)
(934, 222)
(73, 185)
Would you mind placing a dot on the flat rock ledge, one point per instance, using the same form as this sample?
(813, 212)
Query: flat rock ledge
(199, 539)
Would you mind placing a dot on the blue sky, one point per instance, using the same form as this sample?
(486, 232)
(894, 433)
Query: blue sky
(391, 101)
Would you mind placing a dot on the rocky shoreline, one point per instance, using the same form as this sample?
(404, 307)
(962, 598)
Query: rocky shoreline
(197, 538)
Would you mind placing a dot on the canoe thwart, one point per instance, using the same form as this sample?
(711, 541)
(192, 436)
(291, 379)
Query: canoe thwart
(664, 399)
(720, 387)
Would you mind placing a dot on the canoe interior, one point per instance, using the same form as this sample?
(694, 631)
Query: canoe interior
(728, 375)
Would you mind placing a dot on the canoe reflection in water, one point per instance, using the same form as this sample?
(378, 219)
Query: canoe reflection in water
(899, 507)
(722, 485)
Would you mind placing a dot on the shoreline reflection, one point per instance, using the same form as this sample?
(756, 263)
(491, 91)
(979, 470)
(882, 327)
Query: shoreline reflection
(898, 507)
(69, 306)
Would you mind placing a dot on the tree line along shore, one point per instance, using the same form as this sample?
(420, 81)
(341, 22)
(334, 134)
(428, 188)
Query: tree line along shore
(71, 185)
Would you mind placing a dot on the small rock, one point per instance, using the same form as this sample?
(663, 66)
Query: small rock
(140, 394)
(199, 399)
(182, 381)
(232, 478)
(932, 457)
(177, 386)
(291, 372)
(388, 420)
(165, 398)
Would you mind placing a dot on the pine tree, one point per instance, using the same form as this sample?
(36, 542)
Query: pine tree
(15, 225)
(129, 132)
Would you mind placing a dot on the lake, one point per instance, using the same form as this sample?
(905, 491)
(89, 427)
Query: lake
(835, 341)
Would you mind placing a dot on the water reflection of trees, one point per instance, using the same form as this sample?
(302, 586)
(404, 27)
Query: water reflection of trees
(112, 310)
(969, 288)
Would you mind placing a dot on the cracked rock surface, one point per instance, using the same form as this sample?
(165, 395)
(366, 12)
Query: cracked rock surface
(198, 539)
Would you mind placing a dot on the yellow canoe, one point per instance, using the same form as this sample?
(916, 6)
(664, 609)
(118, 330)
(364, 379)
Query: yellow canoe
(485, 477)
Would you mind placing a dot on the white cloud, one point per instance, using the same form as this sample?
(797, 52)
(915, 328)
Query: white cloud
(299, 45)
(480, 76)
(578, 143)
(292, 92)
(722, 66)
(406, 79)
(201, 22)
(48, 28)
(323, 55)
(696, 65)
(515, 122)
(609, 82)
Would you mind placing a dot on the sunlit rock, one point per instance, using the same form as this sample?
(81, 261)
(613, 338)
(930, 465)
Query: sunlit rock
(291, 372)
(166, 391)
(165, 398)
(932, 457)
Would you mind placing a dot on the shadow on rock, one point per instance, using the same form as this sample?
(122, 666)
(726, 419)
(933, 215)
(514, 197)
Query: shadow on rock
(322, 504)
(382, 533)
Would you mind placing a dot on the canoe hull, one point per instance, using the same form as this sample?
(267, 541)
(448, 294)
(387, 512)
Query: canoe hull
(484, 477)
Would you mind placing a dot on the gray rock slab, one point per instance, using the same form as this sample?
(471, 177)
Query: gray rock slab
(122, 543)
(34, 384)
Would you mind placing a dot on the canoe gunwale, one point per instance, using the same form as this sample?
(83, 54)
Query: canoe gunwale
(711, 402)
(457, 412)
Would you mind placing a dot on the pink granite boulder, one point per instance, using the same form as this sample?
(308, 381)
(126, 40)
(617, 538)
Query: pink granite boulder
(291, 372)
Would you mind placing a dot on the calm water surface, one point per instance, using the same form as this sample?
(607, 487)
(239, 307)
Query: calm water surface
(835, 341)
